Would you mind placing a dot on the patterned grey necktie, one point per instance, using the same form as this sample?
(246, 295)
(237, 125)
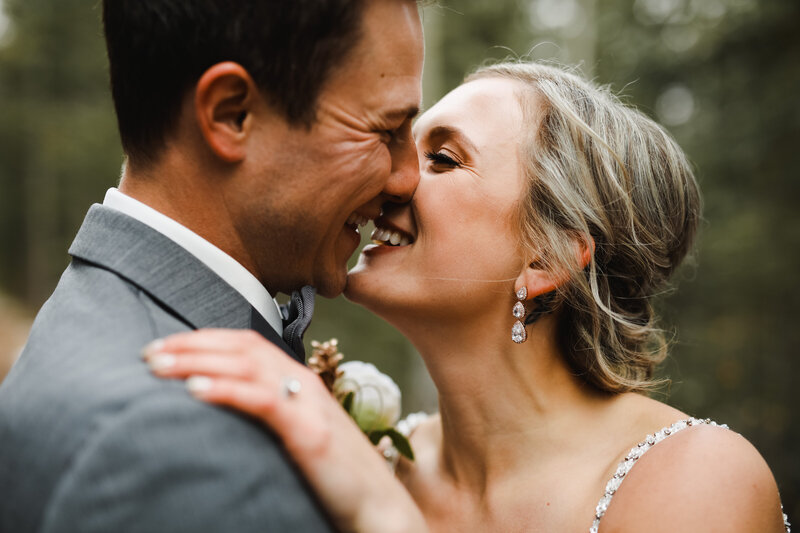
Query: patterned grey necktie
(296, 318)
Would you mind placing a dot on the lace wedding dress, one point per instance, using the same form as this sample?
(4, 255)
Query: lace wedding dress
(410, 423)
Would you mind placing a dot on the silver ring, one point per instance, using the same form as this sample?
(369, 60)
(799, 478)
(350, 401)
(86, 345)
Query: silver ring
(290, 387)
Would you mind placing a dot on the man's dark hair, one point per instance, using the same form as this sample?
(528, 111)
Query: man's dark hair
(158, 49)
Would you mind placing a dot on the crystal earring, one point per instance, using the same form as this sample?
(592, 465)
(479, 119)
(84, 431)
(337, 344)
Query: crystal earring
(518, 333)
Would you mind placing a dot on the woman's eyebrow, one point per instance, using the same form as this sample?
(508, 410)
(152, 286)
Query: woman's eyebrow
(442, 131)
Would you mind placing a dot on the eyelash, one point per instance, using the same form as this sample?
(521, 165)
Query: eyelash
(441, 159)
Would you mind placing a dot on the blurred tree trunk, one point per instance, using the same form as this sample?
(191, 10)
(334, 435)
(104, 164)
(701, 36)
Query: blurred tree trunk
(14, 326)
(40, 211)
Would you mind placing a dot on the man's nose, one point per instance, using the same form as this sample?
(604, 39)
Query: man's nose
(404, 177)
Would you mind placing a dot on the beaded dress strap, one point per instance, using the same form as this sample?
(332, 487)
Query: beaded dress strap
(634, 455)
(637, 452)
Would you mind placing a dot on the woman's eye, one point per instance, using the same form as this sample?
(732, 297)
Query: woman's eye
(440, 158)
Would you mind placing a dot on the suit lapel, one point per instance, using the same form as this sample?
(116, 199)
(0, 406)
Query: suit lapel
(165, 271)
(260, 324)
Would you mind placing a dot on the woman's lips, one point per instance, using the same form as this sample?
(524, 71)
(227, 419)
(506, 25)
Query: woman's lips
(379, 249)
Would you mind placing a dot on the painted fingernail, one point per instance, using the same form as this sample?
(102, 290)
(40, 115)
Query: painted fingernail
(152, 348)
(197, 384)
(161, 361)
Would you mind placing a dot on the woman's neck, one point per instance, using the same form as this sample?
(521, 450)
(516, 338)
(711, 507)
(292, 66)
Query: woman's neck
(500, 401)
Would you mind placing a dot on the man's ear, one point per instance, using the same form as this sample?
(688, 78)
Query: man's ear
(539, 280)
(223, 102)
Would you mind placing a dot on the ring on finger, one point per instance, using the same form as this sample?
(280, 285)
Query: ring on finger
(290, 387)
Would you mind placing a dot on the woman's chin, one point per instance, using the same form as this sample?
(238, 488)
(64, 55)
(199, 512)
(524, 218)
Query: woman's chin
(358, 285)
(369, 288)
(384, 288)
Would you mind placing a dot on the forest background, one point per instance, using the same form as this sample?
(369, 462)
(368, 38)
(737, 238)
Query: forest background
(722, 75)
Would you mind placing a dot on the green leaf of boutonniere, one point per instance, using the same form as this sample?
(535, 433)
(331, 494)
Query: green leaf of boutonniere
(399, 441)
(347, 402)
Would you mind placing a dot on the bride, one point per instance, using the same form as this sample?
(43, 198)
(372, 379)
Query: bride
(547, 216)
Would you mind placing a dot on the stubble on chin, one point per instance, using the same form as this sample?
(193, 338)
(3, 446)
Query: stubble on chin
(332, 286)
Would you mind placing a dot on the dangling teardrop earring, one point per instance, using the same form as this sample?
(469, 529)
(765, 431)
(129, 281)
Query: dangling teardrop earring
(518, 333)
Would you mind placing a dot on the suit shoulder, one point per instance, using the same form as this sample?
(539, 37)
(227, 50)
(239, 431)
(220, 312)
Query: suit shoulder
(172, 461)
(91, 298)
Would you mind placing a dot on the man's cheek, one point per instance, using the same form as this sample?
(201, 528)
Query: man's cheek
(369, 168)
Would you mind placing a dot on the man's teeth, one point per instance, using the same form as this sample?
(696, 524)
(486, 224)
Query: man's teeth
(357, 220)
(389, 237)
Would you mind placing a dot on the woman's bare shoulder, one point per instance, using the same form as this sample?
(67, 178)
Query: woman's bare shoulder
(702, 478)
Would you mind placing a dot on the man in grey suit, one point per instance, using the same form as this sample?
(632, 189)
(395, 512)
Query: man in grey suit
(259, 135)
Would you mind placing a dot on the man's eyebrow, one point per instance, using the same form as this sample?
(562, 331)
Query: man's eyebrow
(404, 113)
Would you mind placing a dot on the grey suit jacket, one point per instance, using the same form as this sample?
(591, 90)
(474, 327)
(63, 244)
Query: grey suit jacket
(90, 441)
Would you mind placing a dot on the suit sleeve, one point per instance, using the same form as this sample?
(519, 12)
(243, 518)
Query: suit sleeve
(171, 464)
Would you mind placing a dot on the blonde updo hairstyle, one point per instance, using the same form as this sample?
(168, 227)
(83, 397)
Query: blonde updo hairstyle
(597, 167)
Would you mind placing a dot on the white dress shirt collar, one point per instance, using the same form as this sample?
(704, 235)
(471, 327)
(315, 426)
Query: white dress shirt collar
(223, 265)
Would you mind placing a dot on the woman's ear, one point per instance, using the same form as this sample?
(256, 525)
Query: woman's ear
(538, 279)
(223, 103)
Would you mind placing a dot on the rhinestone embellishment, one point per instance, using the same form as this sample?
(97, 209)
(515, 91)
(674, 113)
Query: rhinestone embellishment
(634, 455)
(518, 333)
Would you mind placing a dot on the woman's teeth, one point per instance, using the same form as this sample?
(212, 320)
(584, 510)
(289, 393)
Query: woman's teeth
(393, 238)
(357, 220)
(380, 235)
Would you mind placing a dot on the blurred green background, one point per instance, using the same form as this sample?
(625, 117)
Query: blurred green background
(722, 75)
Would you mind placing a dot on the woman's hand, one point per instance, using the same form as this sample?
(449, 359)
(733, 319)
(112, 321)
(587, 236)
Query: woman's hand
(242, 370)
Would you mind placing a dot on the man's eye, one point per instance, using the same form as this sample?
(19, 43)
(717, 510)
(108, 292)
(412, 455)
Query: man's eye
(388, 136)
(440, 158)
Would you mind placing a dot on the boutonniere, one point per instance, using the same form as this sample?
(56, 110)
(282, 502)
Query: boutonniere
(370, 397)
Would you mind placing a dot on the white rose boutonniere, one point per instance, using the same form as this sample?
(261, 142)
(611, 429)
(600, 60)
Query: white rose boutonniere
(369, 396)
(376, 398)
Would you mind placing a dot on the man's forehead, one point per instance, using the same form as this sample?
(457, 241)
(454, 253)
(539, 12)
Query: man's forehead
(392, 37)
(383, 73)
